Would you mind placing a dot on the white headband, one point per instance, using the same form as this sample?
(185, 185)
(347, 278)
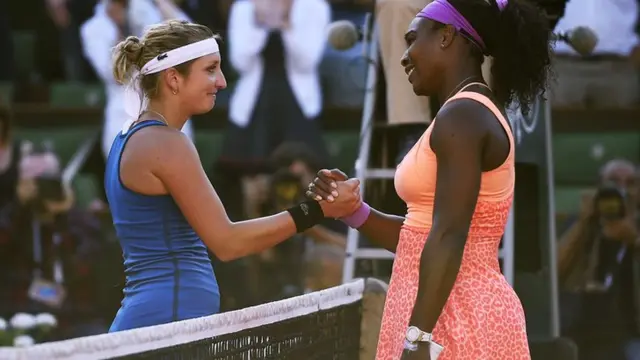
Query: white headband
(135, 100)
(180, 55)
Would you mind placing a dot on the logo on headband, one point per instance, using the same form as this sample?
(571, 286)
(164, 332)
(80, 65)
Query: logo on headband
(162, 57)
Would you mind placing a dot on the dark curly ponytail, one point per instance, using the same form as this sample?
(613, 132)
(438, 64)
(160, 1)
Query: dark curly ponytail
(521, 54)
(518, 38)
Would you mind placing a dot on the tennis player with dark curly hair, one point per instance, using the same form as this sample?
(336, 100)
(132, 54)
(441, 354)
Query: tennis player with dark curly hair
(447, 288)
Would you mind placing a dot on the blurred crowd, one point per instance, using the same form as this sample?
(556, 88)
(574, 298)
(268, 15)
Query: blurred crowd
(58, 255)
(55, 254)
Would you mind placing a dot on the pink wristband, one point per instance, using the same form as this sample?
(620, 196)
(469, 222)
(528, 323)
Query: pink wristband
(358, 218)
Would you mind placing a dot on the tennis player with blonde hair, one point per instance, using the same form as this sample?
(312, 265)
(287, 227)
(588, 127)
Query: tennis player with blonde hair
(165, 211)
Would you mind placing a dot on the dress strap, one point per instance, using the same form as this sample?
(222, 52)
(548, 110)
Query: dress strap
(470, 84)
(131, 126)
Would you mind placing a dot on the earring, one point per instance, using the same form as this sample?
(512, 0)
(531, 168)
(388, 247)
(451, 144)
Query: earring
(442, 46)
(174, 92)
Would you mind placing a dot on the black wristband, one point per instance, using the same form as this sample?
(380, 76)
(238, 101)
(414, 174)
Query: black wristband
(306, 215)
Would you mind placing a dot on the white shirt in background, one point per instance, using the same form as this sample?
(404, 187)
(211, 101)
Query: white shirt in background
(304, 42)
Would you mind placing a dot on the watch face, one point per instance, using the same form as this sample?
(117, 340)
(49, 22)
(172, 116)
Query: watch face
(413, 334)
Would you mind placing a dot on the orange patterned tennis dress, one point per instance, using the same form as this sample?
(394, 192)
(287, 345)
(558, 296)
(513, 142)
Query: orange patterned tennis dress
(483, 317)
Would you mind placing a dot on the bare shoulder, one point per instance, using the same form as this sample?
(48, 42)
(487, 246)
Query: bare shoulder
(160, 144)
(152, 152)
(160, 149)
(464, 121)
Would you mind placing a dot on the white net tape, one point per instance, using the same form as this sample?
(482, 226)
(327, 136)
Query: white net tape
(123, 343)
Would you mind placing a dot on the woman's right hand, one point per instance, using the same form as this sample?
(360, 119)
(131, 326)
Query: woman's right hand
(325, 185)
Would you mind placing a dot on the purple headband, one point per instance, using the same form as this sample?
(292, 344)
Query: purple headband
(443, 12)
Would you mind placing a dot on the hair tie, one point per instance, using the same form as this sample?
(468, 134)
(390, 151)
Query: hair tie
(502, 4)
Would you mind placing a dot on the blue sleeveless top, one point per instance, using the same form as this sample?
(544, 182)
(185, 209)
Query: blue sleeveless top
(169, 275)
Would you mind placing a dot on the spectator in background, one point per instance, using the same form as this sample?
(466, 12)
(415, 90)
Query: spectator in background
(37, 52)
(68, 240)
(608, 77)
(20, 168)
(276, 47)
(67, 15)
(598, 266)
(112, 22)
(16, 192)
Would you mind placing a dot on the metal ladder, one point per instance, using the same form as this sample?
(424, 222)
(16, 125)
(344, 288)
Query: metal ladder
(364, 173)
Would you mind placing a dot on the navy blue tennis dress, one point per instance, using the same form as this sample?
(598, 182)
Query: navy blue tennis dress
(169, 276)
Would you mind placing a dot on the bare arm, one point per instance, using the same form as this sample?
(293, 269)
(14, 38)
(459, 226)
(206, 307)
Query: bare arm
(570, 242)
(178, 166)
(457, 140)
(306, 37)
(573, 239)
(246, 38)
(383, 229)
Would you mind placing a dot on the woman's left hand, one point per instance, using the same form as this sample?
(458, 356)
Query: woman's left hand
(421, 353)
(346, 203)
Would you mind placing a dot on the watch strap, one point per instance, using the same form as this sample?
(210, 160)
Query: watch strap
(425, 337)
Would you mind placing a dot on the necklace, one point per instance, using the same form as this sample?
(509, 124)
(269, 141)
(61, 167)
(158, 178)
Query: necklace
(162, 118)
(459, 86)
(129, 123)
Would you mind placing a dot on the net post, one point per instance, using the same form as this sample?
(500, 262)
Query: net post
(375, 293)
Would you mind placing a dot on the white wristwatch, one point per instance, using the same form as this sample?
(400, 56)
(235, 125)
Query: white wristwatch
(415, 335)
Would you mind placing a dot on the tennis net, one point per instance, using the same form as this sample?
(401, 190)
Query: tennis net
(321, 325)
